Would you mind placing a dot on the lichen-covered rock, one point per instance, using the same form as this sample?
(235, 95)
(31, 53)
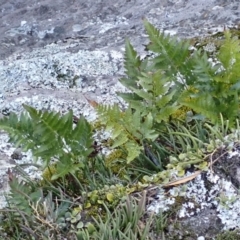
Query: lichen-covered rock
(96, 24)
(206, 224)
(208, 204)
(227, 164)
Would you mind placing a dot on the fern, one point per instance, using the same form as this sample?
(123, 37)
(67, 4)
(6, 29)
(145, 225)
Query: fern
(128, 129)
(20, 130)
(157, 81)
(133, 65)
(21, 194)
(229, 56)
(204, 71)
(172, 55)
(155, 96)
(151, 92)
(201, 103)
(34, 211)
(217, 86)
(48, 135)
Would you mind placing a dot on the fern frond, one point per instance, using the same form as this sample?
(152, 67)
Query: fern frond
(204, 71)
(173, 55)
(154, 95)
(21, 193)
(48, 134)
(132, 60)
(183, 69)
(165, 112)
(203, 104)
(128, 128)
(20, 130)
(133, 66)
(217, 86)
(229, 56)
(59, 135)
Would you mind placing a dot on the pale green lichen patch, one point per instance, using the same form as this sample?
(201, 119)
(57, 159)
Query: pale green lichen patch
(212, 43)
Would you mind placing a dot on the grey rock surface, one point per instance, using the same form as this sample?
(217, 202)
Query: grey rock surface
(28, 24)
(203, 224)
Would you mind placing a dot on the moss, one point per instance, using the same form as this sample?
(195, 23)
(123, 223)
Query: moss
(116, 162)
(97, 125)
(96, 212)
(48, 173)
(181, 113)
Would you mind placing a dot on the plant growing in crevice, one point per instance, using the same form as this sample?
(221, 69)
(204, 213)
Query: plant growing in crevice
(209, 89)
(152, 94)
(173, 78)
(155, 145)
(216, 85)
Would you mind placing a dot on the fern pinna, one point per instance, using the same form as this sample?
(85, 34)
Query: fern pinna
(48, 135)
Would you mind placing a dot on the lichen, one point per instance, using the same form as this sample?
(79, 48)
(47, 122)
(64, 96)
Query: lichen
(211, 44)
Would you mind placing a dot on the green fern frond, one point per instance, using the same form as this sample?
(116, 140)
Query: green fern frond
(217, 86)
(165, 112)
(173, 55)
(229, 56)
(202, 104)
(203, 70)
(58, 135)
(22, 193)
(20, 130)
(48, 135)
(154, 95)
(171, 63)
(133, 66)
(128, 129)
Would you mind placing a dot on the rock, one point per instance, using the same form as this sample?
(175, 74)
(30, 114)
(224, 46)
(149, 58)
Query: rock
(102, 24)
(210, 203)
(17, 154)
(206, 224)
(228, 165)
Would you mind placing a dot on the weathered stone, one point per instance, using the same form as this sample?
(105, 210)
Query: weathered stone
(206, 224)
(228, 165)
(97, 24)
(208, 204)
